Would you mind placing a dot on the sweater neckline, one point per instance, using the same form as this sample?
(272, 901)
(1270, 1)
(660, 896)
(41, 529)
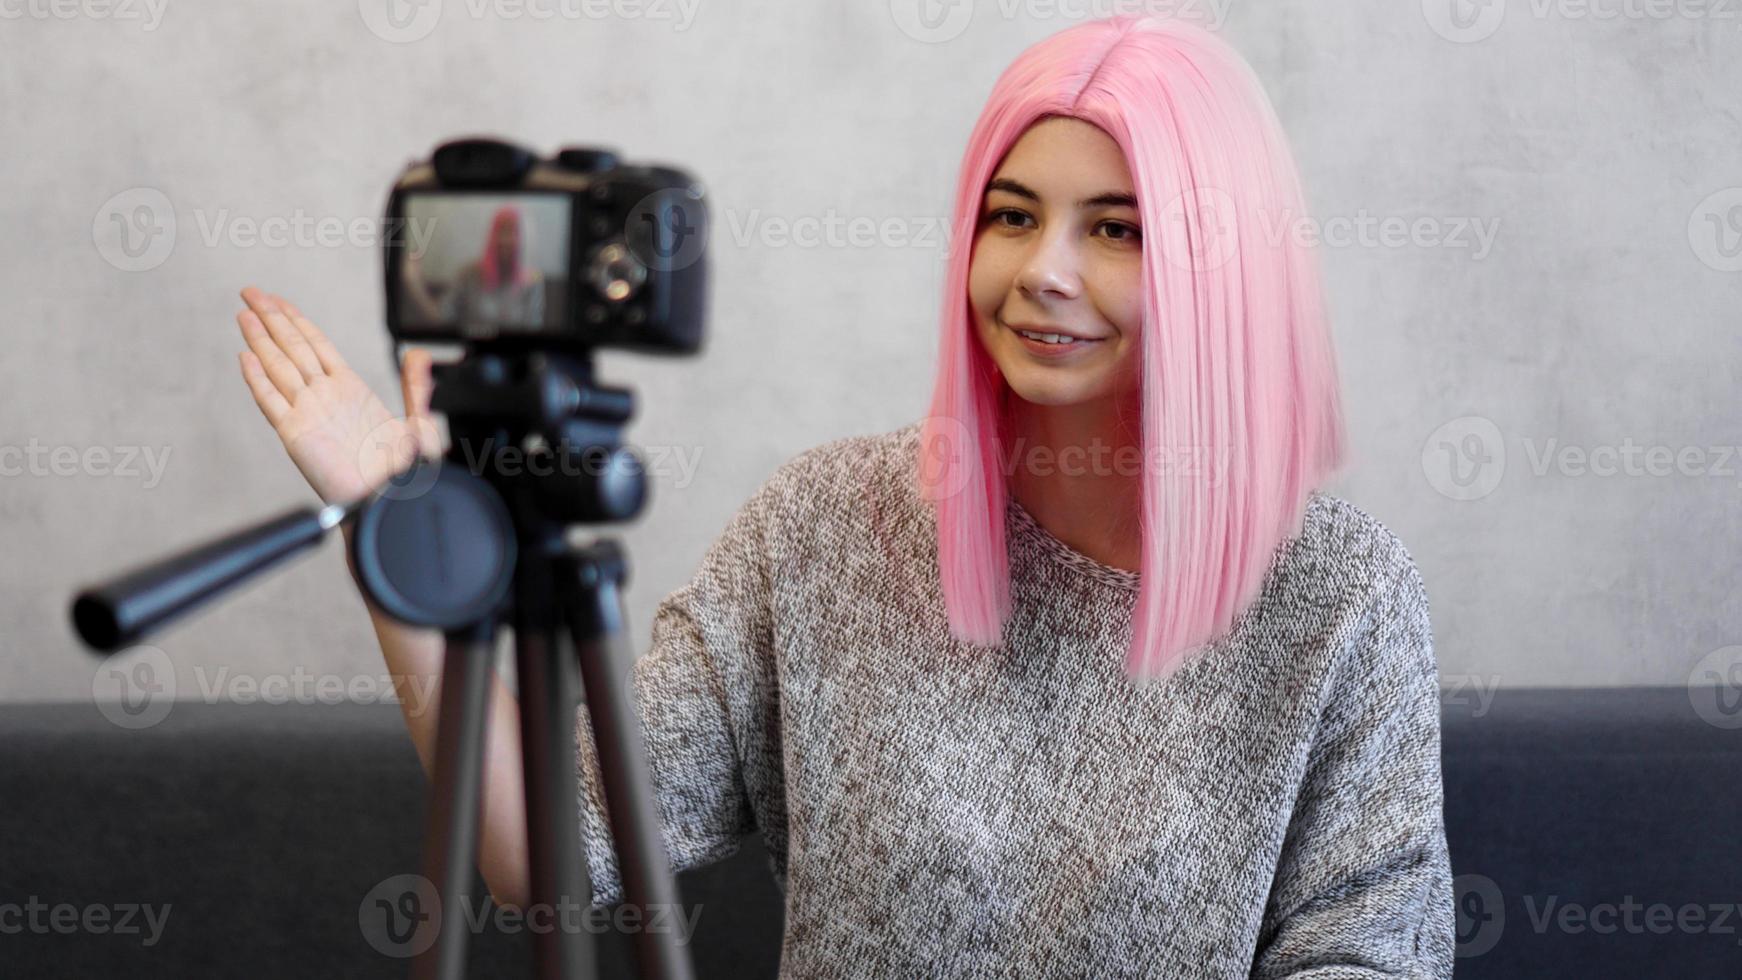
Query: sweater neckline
(1065, 555)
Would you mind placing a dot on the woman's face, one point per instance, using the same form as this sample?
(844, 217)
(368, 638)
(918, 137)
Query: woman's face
(1059, 250)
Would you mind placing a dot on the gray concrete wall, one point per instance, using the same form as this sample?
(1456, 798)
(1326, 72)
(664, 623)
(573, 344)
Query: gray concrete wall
(1535, 262)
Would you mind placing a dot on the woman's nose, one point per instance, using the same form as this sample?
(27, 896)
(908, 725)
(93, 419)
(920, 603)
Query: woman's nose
(1051, 268)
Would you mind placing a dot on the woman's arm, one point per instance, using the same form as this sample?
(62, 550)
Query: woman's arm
(709, 702)
(1363, 886)
(414, 660)
(706, 701)
(707, 710)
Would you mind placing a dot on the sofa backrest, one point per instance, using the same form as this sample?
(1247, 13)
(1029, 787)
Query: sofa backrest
(1592, 833)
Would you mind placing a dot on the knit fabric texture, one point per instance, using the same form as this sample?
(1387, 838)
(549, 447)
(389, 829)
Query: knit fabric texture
(937, 809)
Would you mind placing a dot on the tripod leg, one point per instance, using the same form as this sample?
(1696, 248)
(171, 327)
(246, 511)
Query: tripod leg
(594, 604)
(547, 735)
(451, 825)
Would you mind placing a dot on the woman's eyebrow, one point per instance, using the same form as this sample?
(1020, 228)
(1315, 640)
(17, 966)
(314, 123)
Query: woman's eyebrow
(1106, 199)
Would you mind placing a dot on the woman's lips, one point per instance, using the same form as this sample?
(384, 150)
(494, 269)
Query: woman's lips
(1041, 348)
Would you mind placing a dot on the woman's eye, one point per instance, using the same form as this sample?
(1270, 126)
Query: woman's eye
(1126, 232)
(1120, 231)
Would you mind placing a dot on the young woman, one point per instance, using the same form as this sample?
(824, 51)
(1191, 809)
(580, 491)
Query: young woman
(1079, 675)
(499, 286)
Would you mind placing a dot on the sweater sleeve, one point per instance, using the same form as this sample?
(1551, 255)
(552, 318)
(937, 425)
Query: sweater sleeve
(709, 711)
(1363, 886)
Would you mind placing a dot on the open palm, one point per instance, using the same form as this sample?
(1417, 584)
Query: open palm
(341, 436)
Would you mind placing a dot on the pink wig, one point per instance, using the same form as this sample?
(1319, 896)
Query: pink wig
(1236, 352)
(516, 270)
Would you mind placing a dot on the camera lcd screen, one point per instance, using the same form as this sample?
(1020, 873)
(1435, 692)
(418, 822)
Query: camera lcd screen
(482, 264)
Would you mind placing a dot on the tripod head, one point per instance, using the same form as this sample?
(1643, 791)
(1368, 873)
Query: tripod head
(541, 419)
(536, 446)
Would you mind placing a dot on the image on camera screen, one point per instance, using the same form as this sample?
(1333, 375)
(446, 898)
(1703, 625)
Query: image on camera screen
(483, 264)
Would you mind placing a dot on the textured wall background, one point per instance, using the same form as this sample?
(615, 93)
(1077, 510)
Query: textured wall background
(1533, 213)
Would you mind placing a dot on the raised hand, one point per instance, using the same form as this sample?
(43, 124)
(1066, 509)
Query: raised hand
(341, 436)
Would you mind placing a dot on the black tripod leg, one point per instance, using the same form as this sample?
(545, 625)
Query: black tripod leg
(451, 825)
(561, 949)
(593, 602)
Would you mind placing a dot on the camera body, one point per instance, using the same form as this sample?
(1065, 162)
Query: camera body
(493, 247)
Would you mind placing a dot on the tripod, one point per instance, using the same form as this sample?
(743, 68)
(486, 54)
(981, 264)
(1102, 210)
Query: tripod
(462, 551)
(441, 546)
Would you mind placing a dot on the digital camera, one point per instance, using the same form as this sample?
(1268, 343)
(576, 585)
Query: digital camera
(492, 246)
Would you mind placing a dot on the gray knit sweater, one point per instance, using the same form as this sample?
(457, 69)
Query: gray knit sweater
(1274, 809)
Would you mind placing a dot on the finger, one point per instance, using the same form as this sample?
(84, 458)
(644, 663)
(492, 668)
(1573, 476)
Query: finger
(329, 355)
(416, 381)
(272, 404)
(283, 374)
(429, 438)
(289, 339)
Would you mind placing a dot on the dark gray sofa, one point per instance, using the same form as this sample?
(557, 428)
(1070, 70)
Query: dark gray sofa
(263, 827)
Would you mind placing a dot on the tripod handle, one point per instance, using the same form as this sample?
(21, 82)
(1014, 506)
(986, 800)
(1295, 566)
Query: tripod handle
(114, 614)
